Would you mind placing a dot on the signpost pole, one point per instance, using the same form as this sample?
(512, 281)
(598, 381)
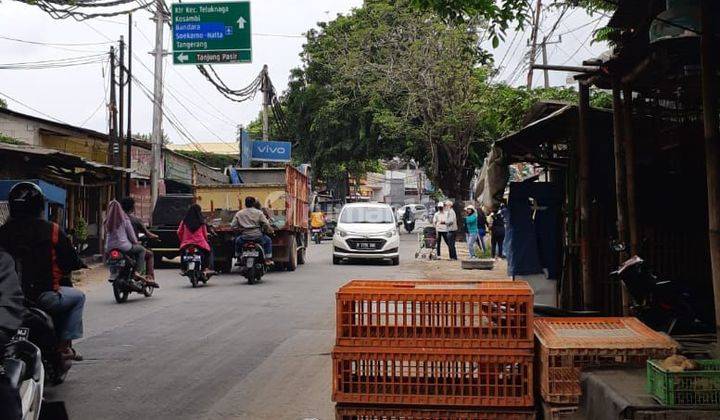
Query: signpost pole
(156, 169)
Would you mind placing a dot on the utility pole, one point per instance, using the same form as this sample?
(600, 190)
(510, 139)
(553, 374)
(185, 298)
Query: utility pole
(709, 65)
(112, 120)
(121, 120)
(543, 45)
(265, 89)
(157, 139)
(128, 141)
(533, 42)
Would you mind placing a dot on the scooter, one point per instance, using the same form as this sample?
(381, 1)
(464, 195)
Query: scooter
(192, 264)
(22, 364)
(41, 333)
(663, 305)
(409, 222)
(317, 234)
(252, 261)
(123, 276)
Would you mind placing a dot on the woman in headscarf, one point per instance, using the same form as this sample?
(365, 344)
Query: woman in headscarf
(119, 234)
(194, 231)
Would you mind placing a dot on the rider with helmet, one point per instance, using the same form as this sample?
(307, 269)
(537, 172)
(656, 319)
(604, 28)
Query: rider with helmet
(44, 258)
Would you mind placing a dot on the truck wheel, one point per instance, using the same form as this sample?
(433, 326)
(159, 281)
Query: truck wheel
(292, 255)
(157, 260)
(301, 256)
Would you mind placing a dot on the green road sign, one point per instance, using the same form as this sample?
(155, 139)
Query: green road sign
(211, 33)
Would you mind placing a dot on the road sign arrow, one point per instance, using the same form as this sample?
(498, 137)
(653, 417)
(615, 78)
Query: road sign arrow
(183, 57)
(241, 23)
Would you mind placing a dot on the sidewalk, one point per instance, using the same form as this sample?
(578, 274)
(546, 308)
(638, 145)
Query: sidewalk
(444, 268)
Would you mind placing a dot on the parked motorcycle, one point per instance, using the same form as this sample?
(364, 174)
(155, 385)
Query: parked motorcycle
(123, 276)
(192, 265)
(252, 261)
(22, 365)
(664, 305)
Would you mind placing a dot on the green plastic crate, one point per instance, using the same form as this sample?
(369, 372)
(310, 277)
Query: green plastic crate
(699, 388)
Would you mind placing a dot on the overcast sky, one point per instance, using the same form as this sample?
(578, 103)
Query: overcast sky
(77, 95)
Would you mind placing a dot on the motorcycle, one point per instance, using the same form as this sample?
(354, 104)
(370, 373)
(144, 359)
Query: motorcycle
(41, 333)
(192, 265)
(317, 234)
(123, 276)
(22, 364)
(252, 261)
(409, 222)
(663, 305)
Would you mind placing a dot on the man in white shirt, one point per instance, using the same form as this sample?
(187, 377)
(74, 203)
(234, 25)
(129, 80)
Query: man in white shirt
(445, 222)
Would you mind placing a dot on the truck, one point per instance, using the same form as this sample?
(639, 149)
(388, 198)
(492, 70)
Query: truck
(283, 192)
(169, 210)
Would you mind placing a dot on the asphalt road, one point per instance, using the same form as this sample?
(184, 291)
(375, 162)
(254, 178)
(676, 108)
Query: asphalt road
(226, 350)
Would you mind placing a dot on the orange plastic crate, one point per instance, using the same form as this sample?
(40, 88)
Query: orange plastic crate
(568, 345)
(414, 413)
(454, 377)
(437, 314)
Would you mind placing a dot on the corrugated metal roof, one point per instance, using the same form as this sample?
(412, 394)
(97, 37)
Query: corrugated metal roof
(218, 148)
(68, 158)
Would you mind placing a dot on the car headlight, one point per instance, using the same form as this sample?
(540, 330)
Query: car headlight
(390, 233)
(340, 232)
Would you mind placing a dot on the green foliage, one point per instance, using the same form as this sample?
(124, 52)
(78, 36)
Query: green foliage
(3, 104)
(10, 140)
(148, 137)
(80, 231)
(213, 160)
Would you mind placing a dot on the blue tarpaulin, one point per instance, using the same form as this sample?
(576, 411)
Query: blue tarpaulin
(532, 235)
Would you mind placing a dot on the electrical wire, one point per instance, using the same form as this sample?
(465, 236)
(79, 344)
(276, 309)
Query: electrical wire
(53, 64)
(31, 108)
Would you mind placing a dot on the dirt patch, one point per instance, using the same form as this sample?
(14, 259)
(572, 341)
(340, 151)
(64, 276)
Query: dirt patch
(84, 278)
(445, 268)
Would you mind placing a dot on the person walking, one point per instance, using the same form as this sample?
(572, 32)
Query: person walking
(497, 231)
(471, 229)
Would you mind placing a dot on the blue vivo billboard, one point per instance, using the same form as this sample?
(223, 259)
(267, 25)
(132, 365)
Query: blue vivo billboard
(271, 151)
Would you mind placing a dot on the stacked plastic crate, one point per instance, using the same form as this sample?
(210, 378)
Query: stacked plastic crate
(434, 350)
(566, 346)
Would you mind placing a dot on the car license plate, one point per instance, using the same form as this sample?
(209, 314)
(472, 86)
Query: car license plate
(366, 245)
(251, 254)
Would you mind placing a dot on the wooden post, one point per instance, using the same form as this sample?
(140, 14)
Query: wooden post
(620, 197)
(708, 60)
(629, 148)
(584, 187)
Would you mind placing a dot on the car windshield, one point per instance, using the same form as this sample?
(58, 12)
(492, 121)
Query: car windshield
(367, 215)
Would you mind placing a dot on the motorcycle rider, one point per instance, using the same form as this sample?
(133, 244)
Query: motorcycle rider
(44, 258)
(119, 234)
(317, 220)
(128, 206)
(251, 224)
(11, 311)
(194, 231)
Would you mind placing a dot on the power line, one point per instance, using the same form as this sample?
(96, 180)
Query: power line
(32, 109)
(56, 44)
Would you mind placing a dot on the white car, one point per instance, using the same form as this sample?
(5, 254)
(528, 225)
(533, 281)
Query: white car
(366, 231)
(419, 211)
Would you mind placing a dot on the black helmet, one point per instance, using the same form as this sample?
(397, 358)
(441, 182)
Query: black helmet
(26, 200)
